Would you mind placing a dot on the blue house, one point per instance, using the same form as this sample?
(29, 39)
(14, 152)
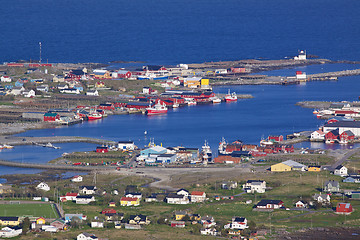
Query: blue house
(153, 150)
(8, 87)
(69, 217)
(19, 83)
(352, 179)
(80, 88)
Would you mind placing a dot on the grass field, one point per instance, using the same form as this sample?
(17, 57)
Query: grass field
(35, 210)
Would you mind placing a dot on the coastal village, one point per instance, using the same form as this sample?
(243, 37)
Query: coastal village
(238, 191)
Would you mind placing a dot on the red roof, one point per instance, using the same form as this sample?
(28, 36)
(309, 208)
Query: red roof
(128, 199)
(344, 207)
(71, 194)
(198, 193)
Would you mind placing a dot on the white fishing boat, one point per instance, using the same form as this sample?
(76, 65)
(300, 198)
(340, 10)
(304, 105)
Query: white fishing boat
(231, 97)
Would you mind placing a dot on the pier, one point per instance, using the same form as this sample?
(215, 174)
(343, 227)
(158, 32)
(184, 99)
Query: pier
(334, 75)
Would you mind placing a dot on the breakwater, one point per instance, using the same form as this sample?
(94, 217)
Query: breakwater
(52, 166)
(14, 141)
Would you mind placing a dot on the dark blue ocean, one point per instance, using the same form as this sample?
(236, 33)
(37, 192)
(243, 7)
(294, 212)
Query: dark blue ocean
(171, 32)
(176, 31)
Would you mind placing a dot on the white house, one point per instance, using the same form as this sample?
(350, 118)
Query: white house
(134, 195)
(43, 88)
(5, 79)
(300, 75)
(86, 236)
(322, 198)
(69, 197)
(237, 223)
(28, 94)
(49, 228)
(341, 171)
(301, 204)
(317, 136)
(7, 232)
(77, 178)
(92, 93)
(126, 145)
(16, 90)
(177, 199)
(183, 191)
(43, 186)
(97, 224)
(84, 199)
(301, 56)
(197, 196)
(71, 90)
(209, 231)
(87, 190)
(252, 186)
(62, 86)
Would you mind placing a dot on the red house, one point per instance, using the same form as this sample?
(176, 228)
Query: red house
(179, 224)
(276, 138)
(51, 117)
(289, 148)
(233, 147)
(106, 106)
(108, 210)
(344, 208)
(347, 136)
(102, 149)
(332, 135)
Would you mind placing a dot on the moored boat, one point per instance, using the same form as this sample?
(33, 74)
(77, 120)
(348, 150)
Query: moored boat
(231, 97)
(7, 146)
(94, 116)
(216, 100)
(264, 142)
(158, 108)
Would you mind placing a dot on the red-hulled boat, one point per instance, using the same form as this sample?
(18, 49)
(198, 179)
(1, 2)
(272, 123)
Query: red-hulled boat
(158, 108)
(94, 116)
(231, 97)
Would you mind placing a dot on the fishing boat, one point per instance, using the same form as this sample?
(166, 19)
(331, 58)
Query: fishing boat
(7, 146)
(264, 142)
(175, 105)
(206, 154)
(191, 103)
(222, 147)
(215, 100)
(315, 111)
(231, 97)
(94, 116)
(158, 108)
(329, 141)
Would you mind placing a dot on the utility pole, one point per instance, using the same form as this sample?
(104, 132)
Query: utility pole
(40, 51)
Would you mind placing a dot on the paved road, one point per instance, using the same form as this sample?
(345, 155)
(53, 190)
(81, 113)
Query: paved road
(345, 157)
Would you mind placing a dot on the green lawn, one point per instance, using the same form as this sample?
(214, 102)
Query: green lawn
(35, 210)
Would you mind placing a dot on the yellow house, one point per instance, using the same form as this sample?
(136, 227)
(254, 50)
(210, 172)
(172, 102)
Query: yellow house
(101, 74)
(129, 201)
(195, 217)
(112, 204)
(204, 81)
(314, 168)
(280, 167)
(40, 220)
(179, 215)
(10, 221)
